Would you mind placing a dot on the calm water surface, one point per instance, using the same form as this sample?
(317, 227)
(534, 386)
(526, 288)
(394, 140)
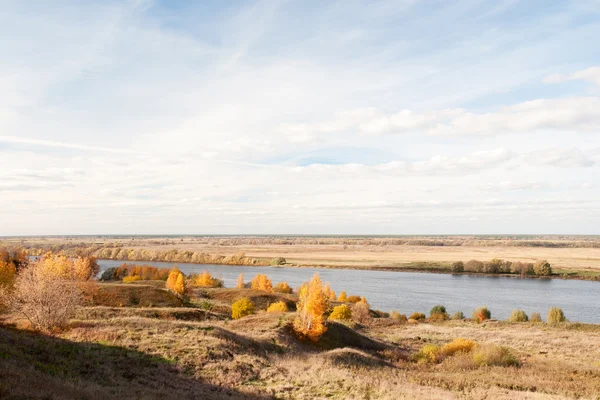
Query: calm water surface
(410, 291)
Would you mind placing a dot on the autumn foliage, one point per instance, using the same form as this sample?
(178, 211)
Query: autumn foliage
(240, 281)
(283, 287)
(145, 272)
(341, 313)
(279, 306)
(205, 279)
(242, 308)
(311, 306)
(261, 282)
(176, 282)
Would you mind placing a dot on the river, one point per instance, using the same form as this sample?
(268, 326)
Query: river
(407, 292)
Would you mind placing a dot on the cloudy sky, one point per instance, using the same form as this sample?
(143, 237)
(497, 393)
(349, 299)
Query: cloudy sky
(347, 117)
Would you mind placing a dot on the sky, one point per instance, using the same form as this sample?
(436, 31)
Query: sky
(299, 117)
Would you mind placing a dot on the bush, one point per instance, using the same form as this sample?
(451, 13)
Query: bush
(439, 309)
(429, 353)
(132, 278)
(474, 266)
(542, 268)
(535, 317)
(395, 315)
(457, 346)
(261, 282)
(481, 314)
(206, 280)
(458, 266)
(176, 282)
(458, 315)
(438, 317)
(518, 316)
(556, 315)
(341, 313)
(488, 356)
(241, 308)
(417, 316)
(278, 261)
(47, 300)
(279, 306)
(282, 287)
(353, 299)
(361, 313)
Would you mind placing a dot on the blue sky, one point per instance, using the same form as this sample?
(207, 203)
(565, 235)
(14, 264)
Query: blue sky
(348, 117)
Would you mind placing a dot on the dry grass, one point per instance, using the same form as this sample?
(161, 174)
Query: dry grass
(175, 352)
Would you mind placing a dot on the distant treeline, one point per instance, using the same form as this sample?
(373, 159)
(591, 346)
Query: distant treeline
(129, 254)
(498, 266)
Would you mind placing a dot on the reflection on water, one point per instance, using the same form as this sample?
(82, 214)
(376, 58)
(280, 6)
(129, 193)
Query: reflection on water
(409, 291)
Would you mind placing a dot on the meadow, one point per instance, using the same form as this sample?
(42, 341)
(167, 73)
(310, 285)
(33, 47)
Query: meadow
(130, 337)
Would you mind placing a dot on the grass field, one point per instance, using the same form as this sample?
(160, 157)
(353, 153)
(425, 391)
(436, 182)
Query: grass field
(196, 351)
(565, 254)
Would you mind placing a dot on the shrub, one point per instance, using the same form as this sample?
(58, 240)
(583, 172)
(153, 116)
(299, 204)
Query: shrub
(481, 314)
(353, 299)
(429, 353)
(46, 299)
(458, 266)
(279, 306)
(240, 281)
(474, 266)
(311, 306)
(458, 315)
(341, 313)
(8, 272)
(438, 317)
(206, 280)
(439, 309)
(361, 313)
(457, 346)
(132, 278)
(535, 317)
(489, 356)
(417, 316)
(518, 316)
(278, 261)
(241, 308)
(395, 315)
(542, 268)
(282, 287)
(343, 298)
(261, 282)
(176, 282)
(556, 315)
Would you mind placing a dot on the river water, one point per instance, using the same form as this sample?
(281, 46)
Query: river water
(407, 292)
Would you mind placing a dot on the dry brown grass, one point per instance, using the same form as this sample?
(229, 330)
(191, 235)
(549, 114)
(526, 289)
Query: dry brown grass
(168, 352)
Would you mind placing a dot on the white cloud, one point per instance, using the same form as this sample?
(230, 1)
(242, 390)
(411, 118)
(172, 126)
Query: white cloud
(564, 158)
(591, 74)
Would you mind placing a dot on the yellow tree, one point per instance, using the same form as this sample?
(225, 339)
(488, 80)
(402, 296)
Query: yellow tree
(332, 296)
(261, 282)
(8, 272)
(172, 279)
(343, 297)
(311, 306)
(240, 281)
(327, 290)
(205, 279)
(179, 285)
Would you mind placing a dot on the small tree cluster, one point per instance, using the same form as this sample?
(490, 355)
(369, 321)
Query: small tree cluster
(556, 315)
(283, 287)
(481, 314)
(341, 313)
(279, 306)
(206, 280)
(311, 306)
(261, 282)
(278, 261)
(518, 316)
(176, 282)
(242, 308)
(145, 272)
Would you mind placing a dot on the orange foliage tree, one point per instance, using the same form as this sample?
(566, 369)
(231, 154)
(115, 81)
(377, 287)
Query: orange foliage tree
(240, 281)
(283, 287)
(311, 306)
(205, 279)
(261, 282)
(343, 297)
(176, 282)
